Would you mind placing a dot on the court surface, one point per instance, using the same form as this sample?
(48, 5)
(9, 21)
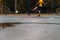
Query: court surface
(31, 28)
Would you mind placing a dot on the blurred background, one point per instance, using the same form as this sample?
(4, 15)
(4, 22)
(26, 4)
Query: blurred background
(25, 6)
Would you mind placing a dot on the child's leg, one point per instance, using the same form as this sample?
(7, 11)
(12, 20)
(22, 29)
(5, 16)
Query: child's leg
(34, 8)
(39, 12)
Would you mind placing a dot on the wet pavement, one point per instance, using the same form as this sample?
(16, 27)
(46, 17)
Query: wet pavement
(30, 19)
(31, 28)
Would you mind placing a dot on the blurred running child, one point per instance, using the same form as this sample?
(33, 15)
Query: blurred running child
(39, 6)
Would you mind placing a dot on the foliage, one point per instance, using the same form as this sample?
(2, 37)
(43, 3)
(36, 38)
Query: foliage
(22, 5)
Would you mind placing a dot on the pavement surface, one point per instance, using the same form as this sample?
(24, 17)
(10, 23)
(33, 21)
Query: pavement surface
(30, 19)
(31, 28)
